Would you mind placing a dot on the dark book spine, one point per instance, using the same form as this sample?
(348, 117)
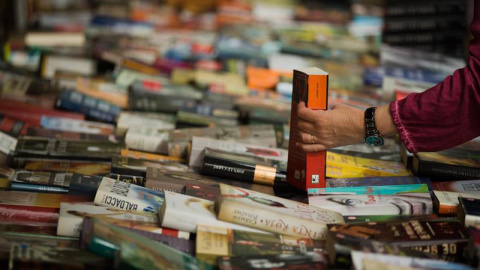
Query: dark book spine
(12, 127)
(93, 108)
(417, 37)
(38, 188)
(132, 179)
(241, 171)
(444, 171)
(410, 24)
(141, 102)
(415, 8)
(450, 251)
(128, 171)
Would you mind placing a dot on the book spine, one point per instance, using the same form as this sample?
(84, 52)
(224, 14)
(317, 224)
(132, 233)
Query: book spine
(92, 108)
(132, 179)
(12, 127)
(306, 170)
(259, 174)
(238, 213)
(415, 8)
(156, 144)
(181, 243)
(28, 214)
(444, 171)
(164, 186)
(38, 188)
(103, 248)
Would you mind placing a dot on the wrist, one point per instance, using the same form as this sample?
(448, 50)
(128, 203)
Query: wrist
(384, 121)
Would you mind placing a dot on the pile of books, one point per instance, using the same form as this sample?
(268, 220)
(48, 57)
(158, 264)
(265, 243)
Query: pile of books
(141, 135)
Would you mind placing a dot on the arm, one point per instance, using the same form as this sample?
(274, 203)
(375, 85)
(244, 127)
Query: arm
(444, 116)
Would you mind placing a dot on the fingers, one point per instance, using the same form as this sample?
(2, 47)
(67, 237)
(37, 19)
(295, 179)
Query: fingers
(306, 113)
(306, 126)
(308, 138)
(311, 147)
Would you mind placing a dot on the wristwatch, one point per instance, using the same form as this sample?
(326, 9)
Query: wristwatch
(372, 136)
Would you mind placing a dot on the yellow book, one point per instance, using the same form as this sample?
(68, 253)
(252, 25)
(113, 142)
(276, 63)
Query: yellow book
(345, 166)
(149, 156)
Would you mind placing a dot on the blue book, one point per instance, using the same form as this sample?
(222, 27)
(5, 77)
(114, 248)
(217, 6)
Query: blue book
(366, 190)
(38, 188)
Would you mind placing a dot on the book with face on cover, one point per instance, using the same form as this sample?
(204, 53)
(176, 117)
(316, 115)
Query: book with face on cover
(274, 214)
(214, 242)
(127, 196)
(413, 199)
(184, 213)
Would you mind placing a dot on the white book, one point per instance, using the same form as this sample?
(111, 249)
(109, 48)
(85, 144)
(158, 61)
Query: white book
(74, 125)
(126, 120)
(358, 258)
(54, 63)
(7, 143)
(200, 143)
(48, 39)
(447, 201)
(127, 196)
(185, 213)
(147, 138)
(72, 215)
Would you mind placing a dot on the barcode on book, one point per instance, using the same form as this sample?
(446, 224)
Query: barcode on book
(120, 188)
(471, 187)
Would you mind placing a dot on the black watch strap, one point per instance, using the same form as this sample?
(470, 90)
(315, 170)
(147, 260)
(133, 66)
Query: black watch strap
(370, 127)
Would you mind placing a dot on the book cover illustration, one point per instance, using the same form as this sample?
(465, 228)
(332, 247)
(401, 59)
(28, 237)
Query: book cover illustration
(411, 199)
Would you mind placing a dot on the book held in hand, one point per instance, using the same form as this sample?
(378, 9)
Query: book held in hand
(306, 170)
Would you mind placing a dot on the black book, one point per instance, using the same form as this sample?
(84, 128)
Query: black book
(48, 148)
(242, 167)
(138, 167)
(458, 163)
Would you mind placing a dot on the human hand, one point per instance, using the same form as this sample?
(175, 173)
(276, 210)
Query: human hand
(320, 130)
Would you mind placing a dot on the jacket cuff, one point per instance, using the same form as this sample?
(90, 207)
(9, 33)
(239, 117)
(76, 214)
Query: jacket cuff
(402, 131)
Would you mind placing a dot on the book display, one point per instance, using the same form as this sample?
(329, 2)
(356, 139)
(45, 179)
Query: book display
(152, 134)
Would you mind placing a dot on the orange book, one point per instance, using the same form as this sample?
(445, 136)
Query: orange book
(306, 170)
(264, 79)
(149, 156)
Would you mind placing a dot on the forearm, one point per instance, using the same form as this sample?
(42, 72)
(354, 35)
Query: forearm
(384, 121)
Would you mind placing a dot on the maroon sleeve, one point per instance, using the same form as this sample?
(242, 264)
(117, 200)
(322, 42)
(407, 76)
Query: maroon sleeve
(447, 114)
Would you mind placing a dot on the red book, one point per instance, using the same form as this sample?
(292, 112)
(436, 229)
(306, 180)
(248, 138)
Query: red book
(32, 114)
(28, 214)
(306, 170)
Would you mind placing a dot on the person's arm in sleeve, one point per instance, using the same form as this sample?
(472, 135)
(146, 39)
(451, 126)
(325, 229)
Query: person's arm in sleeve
(447, 114)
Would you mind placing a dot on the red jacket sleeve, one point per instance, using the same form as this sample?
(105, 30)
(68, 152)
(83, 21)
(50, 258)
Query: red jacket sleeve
(447, 114)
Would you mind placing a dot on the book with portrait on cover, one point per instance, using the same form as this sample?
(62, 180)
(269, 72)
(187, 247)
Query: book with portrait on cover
(306, 170)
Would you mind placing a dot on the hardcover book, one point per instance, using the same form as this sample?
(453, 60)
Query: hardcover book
(126, 196)
(306, 170)
(214, 242)
(274, 214)
(184, 213)
(413, 199)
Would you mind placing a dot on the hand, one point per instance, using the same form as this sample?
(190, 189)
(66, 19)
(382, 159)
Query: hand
(321, 130)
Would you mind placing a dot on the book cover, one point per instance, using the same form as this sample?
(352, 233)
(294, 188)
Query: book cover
(90, 127)
(64, 166)
(68, 135)
(377, 181)
(211, 193)
(347, 166)
(306, 170)
(126, 196)
(132, 179)
(147, 138)
(72, 216)
(184, 213)
(274, 214)
(149, 156)
(133, 166)
(413, 199)
(7, 143)
(103, 90)
(12, 126)
(214, 242)
(200, 143)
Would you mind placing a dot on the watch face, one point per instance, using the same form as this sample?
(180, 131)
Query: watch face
(374, 140)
